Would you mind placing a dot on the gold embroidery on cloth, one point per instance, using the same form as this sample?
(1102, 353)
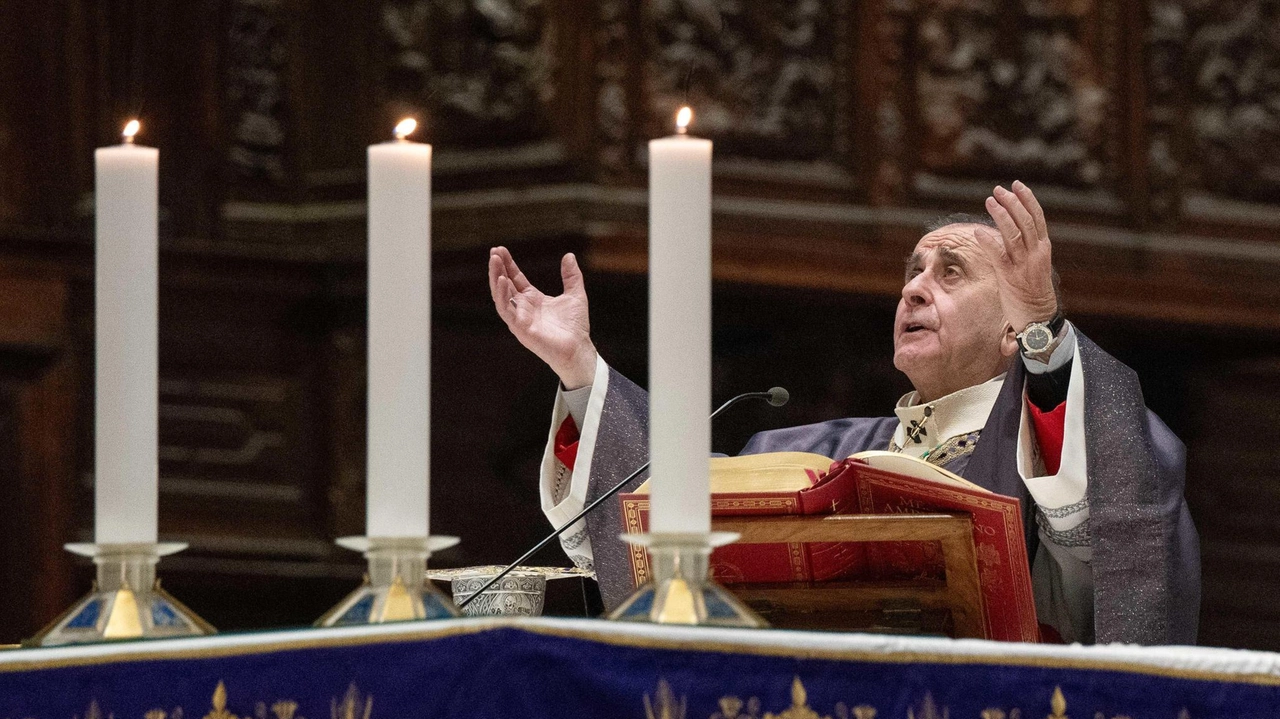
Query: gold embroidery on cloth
(928, 710)
(799, 708)
(219, 710)
(1059, 705)
(666, 705)
(953, 448)
(93, 711)
(351, 706)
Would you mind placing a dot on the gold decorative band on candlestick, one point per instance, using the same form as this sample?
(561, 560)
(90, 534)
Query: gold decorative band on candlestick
(396, 588)
(126, 601)
(682, 591)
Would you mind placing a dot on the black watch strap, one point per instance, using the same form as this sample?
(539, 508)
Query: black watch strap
(1056, 324)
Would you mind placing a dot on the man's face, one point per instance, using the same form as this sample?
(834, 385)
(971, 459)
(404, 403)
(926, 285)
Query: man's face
(950, 331)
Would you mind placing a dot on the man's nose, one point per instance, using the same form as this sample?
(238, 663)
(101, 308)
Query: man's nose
(916, 291)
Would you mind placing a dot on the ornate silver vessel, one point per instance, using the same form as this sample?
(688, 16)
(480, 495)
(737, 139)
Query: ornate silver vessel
(520, 593)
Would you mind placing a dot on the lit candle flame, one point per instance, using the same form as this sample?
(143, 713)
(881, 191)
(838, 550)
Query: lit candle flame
(683, 118)
(406, 128)
(130, 129)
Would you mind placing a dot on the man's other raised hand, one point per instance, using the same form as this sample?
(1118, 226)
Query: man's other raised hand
(556, 329)
(1021, 254)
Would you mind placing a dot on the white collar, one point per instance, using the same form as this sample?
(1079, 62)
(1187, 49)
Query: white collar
(958, 413)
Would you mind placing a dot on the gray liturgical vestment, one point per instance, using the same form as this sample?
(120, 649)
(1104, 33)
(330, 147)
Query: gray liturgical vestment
(1145, 554)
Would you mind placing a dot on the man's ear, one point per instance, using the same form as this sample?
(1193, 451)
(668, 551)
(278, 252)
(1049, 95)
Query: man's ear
(1009, 343)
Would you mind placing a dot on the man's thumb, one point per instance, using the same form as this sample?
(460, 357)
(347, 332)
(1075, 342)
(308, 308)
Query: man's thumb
(571, 275)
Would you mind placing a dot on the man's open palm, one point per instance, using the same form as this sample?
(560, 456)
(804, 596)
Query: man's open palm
(1021, 255)
(556, 329)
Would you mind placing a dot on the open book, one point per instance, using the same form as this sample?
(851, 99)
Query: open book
(866, 483)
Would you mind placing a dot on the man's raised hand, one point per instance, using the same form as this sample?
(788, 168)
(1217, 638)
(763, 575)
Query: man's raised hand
(1022, 256)
(556, 329)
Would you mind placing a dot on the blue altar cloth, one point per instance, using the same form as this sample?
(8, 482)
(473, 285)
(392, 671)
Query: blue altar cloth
(564, 668)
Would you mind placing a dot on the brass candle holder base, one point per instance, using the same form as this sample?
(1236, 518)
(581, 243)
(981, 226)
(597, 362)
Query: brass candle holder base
(396, 588)
(126, 601)
(682, 591)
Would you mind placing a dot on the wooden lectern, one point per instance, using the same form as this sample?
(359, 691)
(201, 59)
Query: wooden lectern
(952, 606)
(875, 542)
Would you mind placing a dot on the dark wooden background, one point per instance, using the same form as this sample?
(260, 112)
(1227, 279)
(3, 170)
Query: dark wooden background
(1151, 131)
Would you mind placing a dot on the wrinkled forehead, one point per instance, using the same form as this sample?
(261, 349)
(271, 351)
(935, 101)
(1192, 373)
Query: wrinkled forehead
(956, 243)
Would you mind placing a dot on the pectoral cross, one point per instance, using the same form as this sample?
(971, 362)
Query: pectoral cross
(917, 430)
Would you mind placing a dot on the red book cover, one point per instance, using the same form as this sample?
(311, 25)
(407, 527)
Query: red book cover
(853, 486)
(1008, 605)
(735, 563)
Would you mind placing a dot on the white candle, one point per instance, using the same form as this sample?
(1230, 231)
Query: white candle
(399, 408)
(126, 387)
(680, 331)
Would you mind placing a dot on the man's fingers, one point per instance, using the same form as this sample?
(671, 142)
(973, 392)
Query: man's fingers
(502, 294)
(991, 243)
(1029, 201)
(571, 275)
(512, 269)
(505, 296)
(1013, 244)
(1013, 204)
(509, 305)
(495, 272)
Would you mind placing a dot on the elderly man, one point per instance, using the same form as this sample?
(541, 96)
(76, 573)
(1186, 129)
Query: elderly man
(1007, 394)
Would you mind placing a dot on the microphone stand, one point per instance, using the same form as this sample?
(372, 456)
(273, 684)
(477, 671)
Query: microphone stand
(776, 397)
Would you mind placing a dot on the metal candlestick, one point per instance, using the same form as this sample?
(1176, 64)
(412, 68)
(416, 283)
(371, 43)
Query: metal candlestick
(681, 590)
(126, 601)
(396, 588)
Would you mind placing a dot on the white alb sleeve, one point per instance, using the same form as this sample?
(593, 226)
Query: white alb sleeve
(1062, 578)
(576, 401)
(563, 491)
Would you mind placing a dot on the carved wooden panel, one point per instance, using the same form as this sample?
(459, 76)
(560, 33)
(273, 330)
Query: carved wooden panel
(257, 93)
(345, 372)
(44, 150)
(157, 61)
(478, 72)
(886, 85)
(768, 78)
(1233, 66)
(614, 125)
(1165, 44)
(38, 390)
(231, 454)
(240, 385)
(1029, 92)
(244, 458)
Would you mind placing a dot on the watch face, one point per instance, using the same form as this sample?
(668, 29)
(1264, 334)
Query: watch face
(1036, 338)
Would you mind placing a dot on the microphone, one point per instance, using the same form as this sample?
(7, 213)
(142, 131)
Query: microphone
(776, 397)
(779, 396)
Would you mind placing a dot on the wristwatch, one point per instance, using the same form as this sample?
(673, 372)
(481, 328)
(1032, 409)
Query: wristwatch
(1039, 339)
